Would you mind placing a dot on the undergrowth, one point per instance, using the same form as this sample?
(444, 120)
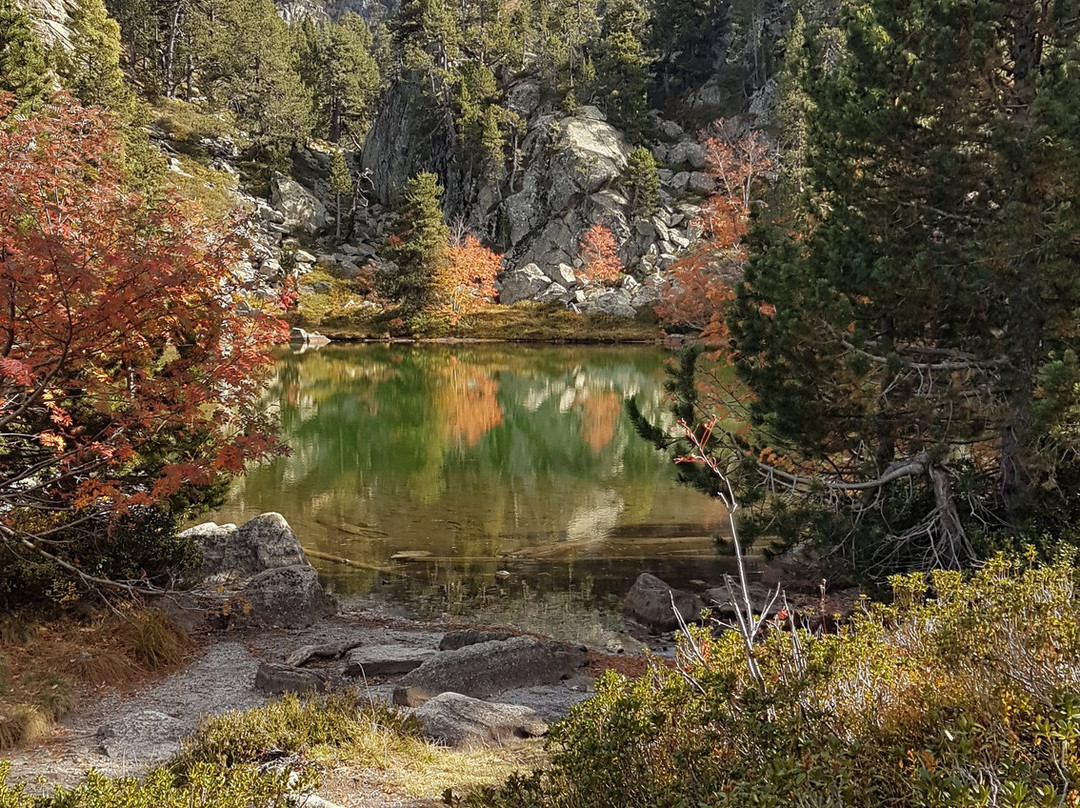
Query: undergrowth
(963, 692)
(44, 665)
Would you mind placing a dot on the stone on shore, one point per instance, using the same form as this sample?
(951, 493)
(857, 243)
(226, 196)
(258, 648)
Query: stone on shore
(457, 720)
(654, 604)
(386, 660)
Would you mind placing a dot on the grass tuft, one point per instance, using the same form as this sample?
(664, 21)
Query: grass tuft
(22, 725)
(155, 641)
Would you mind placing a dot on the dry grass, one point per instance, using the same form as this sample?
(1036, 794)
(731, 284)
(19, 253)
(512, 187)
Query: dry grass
(522, 322)
(46, 666)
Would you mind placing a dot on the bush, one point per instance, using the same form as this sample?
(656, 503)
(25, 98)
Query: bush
(970, 698)
(206, 786)
(289, 726)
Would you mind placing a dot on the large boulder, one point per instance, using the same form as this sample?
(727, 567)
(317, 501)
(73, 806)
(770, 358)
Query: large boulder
(614, 303)
(523, 284)
(487, 668)
(301, 208)
(654, 604)
(263, 543)
(457, 720)
(289, 597)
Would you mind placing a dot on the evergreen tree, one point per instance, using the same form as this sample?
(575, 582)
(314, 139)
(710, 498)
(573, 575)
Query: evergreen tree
(622, 69)
(340, 185)
(686, 36)
(24, 66)
(91, 69)
(252, 68)
(910, 338)
(337, 67)
(417, 245)
(641, 181)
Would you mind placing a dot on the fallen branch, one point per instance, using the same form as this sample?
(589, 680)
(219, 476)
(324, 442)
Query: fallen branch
(305, 653)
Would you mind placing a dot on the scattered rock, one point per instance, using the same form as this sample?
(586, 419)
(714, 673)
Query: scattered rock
(304, 257)
(321, 288)
(458, 720)
(386, 660)
(649, 602)
(144, 737)
(276, 679)
(291, 597)
(487, 668)
(453, 640)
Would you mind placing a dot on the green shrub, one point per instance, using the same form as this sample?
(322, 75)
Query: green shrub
(206, 786)
(288, 726)
(970, 698)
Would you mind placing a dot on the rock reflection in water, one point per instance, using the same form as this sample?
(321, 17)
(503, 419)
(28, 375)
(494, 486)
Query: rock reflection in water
(488, 457)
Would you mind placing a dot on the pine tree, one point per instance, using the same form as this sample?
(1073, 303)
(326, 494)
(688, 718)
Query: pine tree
(91, 69)
(909, 337)
(24, 66)
(622, 69)
(641, 181)
(340, 185)
(417, 245)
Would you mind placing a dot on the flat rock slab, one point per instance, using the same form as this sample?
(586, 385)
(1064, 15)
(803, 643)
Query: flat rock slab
(487, 668)
(276, 679)
(142, 738)
(457, 720)
(470, 636)
(386, 660)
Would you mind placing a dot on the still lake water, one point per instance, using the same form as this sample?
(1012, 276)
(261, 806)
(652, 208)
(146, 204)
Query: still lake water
(476, 461)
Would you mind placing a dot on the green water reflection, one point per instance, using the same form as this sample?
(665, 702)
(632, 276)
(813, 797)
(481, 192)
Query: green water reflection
(487, 458)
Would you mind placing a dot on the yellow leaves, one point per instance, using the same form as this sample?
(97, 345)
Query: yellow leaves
(467, 281)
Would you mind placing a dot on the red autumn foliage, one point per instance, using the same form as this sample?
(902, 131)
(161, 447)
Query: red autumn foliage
(125, 372)
(467, 281)
(701, 285)
(601, 256)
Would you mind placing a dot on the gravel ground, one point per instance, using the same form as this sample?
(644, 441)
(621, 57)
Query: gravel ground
(125, 733)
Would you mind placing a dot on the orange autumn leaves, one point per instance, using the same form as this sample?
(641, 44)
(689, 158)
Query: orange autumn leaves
(600, 256)
(701, 284)
(466, 280)
(125, 371)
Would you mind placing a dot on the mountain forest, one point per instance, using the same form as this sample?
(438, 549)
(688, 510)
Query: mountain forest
(857, 221)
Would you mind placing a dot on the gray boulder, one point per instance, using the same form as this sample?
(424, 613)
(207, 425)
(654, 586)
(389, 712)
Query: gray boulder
(614, 302)
(300, 207)
(486, 668)
(523, 284)
(649, 602)
(263, 543)
(561, 274)
(144, 737)
(689, 153)
(386, 660)
(290, 597)
(275, 679)
(457, 720)
(556, 293)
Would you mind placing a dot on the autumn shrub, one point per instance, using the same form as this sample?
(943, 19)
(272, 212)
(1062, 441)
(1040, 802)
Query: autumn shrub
(600, 256)
(969, 697)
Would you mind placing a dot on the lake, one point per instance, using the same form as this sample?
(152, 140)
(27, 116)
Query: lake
(500, 483)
